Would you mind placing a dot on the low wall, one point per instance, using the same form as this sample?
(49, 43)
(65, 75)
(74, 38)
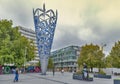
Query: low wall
(108, 71)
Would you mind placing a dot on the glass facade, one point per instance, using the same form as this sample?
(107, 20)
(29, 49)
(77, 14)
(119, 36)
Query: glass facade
(66, 58)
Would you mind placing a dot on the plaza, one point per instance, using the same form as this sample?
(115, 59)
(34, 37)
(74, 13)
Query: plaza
(58, 78)
(63, 37)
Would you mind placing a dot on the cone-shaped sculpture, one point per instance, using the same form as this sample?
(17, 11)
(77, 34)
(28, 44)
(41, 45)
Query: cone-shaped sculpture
(45, 23)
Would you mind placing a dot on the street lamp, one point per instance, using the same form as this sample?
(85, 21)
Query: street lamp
(61, 63)
(103, 45)
(25, 57)
(103, 59)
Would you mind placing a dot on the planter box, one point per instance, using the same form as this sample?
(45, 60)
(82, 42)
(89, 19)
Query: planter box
(76, 76)
(116, 81)
(102, 76)
(80, 77)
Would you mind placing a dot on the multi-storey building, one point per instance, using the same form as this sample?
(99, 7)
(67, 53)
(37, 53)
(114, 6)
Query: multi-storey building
(30, 34)
(66, 58)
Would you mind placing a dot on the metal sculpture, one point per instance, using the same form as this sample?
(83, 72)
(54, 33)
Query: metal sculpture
(45, 23)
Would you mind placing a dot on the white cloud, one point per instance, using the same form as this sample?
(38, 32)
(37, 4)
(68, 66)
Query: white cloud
(87, 34)
(79, 21)
(110, 14)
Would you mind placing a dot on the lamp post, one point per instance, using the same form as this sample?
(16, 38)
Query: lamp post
(61, 62)
(103, 59)
(25, 58)
(103, 45)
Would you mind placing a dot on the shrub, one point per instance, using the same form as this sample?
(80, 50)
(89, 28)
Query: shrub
(102, 72)
(79, 72)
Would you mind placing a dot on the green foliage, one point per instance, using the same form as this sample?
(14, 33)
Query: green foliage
(115, 55)
(50, 63)
(92, 55)
(79, 72)
(102, 72)
(108, 61)
(38, 64)
(13, 45)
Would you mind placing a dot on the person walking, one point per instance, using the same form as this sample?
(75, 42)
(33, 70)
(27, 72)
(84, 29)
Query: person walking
(62, 71)
(16, 78)
(85, 71)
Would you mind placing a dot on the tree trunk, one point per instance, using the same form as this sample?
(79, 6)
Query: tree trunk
(91, 69)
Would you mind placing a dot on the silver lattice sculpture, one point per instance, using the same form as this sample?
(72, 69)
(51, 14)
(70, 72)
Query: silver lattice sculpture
(45, 23)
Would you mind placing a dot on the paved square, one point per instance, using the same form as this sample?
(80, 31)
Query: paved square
(36, 78)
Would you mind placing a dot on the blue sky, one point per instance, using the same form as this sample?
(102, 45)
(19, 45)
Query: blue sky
(79, 22)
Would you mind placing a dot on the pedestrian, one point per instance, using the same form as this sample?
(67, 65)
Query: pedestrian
(62, 71)
(85, 71)
(16, 75)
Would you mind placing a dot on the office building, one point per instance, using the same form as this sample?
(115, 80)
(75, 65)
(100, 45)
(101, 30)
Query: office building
(30, 34)
(66, 58)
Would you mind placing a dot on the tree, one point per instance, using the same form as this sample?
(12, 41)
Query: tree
(115, 55)
(108, 61)
(50, 63)
(38, 64)
(5, 52)
(13, 45)
(92, 55)
(24, 51)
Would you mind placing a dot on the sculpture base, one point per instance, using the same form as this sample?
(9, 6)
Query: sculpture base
(44, 64)
(43, 73)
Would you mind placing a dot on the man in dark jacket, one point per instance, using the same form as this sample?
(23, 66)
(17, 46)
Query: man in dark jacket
(85, 71)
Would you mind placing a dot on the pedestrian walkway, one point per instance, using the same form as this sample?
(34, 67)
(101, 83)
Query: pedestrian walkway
(58, 78)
